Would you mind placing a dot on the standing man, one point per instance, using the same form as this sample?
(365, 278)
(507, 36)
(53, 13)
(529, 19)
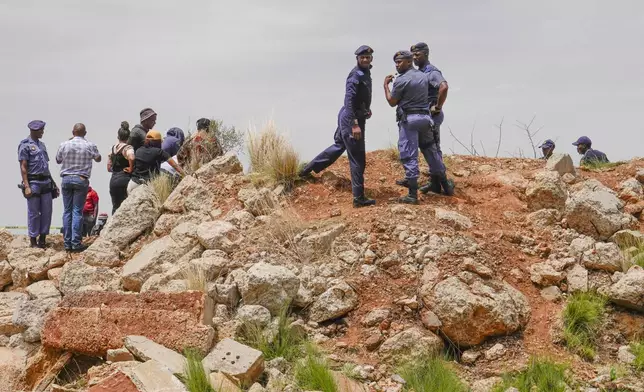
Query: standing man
(90, 211)
(547, 147)
(438, 88)
(37, 184)
(410, 94)
(350, 134)
(589, 156)
(137, 136)
(75, 155)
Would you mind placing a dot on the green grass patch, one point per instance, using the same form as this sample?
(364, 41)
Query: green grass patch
(430, 374)
(349, 370)
(312, 373)
(542, 375)
(287, 343)
(583, 317)
(195, 377)
(638, 350)
(596, 165)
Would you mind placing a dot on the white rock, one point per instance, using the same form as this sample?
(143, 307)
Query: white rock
(145, 350)
(547, 191)
(411, 343)
(551, 293)
(5, 273)
(333, 303)
(577, 279)
(190, 195)
(31, 315)
(625, 355)
(220, 235)
(269, 286)
(76, 275)
(561, 163)
(9, 302)
(629, 291)
(262, 202)
(544, 274)
(453, 219)
(43, 289)
(254, 314)
(606, 256)
(225, 164)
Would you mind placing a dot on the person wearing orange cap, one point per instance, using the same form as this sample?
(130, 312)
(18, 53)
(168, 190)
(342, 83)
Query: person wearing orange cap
(148, 159)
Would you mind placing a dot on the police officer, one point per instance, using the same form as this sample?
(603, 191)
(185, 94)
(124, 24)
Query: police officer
(411, 94)
(37, 184)
(438, 88)
(350, 134)
(547, 147)
(589, 156)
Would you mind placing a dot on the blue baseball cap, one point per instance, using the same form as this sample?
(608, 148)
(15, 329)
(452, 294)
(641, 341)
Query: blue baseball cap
(547, 144)
(420, 47)
(36, 125)
(583, 140)
(364, 49)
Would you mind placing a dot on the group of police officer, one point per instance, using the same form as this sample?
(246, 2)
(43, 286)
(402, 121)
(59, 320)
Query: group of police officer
(419, 95)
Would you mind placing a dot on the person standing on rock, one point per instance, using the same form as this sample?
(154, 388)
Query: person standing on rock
(137, 136)
(411, 94)
(547, 147)
(37, 185)
(589, 156)
(350, 133)
(148, 160)
(120, 163)
(438, 88)
(76, 156)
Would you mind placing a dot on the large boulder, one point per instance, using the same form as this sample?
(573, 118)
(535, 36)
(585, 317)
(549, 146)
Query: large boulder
(262, 202)
(629, 290)
(218, 235)
(411, 343)
(5, 273)
(9, 302)
(158, 256)
(78, 276)
(269, 286)
(91, 323)
(30, 316)
(606, 256)
(544, 274)
(5, 241)
(547, 191)
(577, 279)
(474, 308)
(102, 253)
(225, 164)
(560, 163)
(631, 190)
(595, 210)
(135, 216)
(190, 195)
(333, 303)
(31, 264)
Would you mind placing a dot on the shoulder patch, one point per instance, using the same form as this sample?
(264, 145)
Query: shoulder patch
(360, 73)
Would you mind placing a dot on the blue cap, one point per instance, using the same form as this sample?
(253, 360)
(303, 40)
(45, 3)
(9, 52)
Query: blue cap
(420, 47)
(547, 144)
(403, 54)
(364, 49)
(583, 140)
(36, 125)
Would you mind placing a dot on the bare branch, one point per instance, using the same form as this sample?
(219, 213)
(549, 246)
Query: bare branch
(474, 152)
(458, 141)
(483, 148)
(530, 134)
(498, 146)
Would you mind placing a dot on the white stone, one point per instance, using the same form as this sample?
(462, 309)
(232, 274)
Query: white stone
(561, 163)
(220, 235)
(453, 219)
(577, 279)
(145, 350)
(269, 286)
(9, 302)
(236, 360)
(333, 303)
(152, 376)
(606, 256)
(547, 191)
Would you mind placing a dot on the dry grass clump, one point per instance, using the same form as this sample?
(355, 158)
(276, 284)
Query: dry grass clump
(162, 185)
(272, 158)
(196, 278)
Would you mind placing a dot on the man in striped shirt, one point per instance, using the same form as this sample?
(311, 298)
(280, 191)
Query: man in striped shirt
(76, 156)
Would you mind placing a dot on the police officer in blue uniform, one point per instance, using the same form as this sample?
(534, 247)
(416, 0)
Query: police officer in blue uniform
(589, 156)
(547, 148)
(438, 89)
(37, 185)
(411, 94)
(350, 133)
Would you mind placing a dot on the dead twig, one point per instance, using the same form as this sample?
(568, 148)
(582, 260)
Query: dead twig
(498, 146)
(459, 142)
(529, 133)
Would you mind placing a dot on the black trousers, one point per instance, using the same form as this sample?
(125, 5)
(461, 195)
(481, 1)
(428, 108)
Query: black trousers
(118, 189)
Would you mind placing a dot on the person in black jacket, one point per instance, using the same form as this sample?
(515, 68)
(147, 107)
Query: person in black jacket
(349, 135)
(137, 136)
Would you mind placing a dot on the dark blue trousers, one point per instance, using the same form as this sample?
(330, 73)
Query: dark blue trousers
(344, 141)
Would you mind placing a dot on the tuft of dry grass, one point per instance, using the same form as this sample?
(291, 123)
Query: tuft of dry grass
(272, 158)
(283, 228)
(195, 278)
(162, 185)
(393, 153)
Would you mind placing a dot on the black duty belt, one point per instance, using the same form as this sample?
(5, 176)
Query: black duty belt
(38, 177)
(416, 111)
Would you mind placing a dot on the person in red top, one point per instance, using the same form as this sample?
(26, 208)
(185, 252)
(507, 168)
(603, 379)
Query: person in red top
(90, 211)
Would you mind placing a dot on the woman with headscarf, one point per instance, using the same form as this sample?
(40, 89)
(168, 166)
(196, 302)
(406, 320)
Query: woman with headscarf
(148, 160)
(173, 141)
(121, 164)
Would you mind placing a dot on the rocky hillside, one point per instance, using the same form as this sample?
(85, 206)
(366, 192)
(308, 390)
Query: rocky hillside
(529, 261)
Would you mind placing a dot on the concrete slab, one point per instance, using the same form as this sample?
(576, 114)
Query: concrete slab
(236, 360)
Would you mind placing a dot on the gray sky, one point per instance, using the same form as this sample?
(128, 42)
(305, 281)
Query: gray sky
(575, 64)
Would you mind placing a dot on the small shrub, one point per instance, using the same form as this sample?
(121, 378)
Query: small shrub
(162, 185)
(638, 350)
(430, 374)
(195, 278)
(541, 375)
(582, 317)
(349, 370)
(313, 374)
(287, 342)
(597, 166)
(272, 158)
(230, 139)
(195, 377)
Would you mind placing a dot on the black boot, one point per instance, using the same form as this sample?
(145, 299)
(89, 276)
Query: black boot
(412, 196)
(33, 242)
(433, 185)
(403, 182)
(447, 185)
(362, 201)
(41, 241)
(305, 175)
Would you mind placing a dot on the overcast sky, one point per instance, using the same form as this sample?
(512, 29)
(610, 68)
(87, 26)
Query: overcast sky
(577, 65)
